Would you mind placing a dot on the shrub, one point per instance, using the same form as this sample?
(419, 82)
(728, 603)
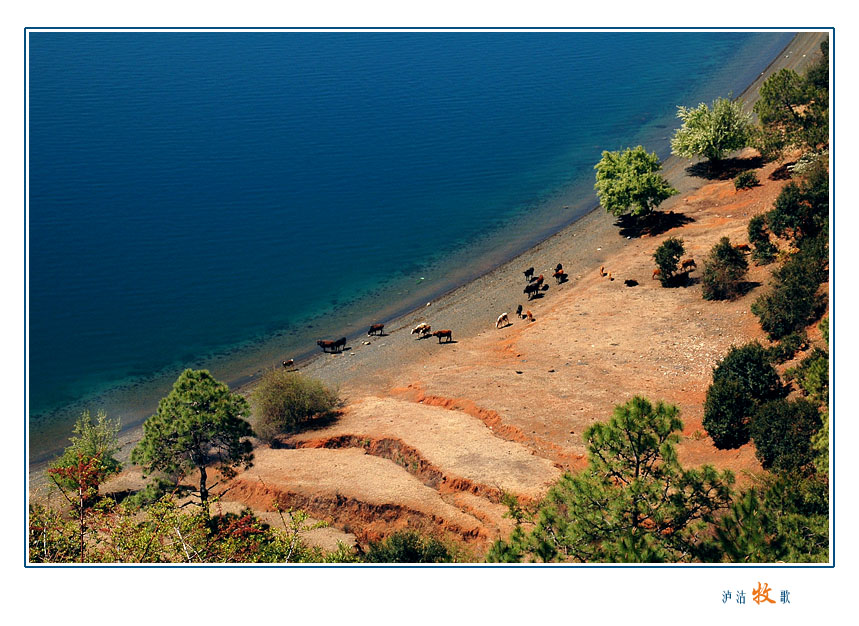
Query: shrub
(666, 257)
(801, 209)
(746, 180)
(812, 375)
(741, 381)
(764, 251)
(283, 400)
(788, 347)
(408, 546)
(793, 302)
(782, 431)
(724, 270)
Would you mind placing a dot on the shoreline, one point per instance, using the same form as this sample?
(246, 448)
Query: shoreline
(473, 304)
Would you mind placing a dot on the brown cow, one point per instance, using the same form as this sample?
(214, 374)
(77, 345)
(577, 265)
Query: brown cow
(529, 315)
(688, 264)
(444, 333)
(742, 247)
(656, 273)
(375, 328)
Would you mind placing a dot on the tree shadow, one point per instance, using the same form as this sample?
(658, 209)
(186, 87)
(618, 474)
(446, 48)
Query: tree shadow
(726, 169)
(654, 224)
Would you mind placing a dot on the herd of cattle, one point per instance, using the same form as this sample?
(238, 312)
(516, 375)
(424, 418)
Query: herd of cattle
(535, 284)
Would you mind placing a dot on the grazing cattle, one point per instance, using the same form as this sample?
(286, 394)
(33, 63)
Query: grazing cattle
(742, 247)
(529, 273)
(602, 270)
(610, 277)
(502, 320)
(340, 343)
(423, 329)
(519, 312)
(375, 328)
(657, 273)
(529, 315)
(531, 290)
(443, 333)
(288, 363)
(559, 268)
(629, 282)
(560, 276)
(326, 345)
(688, 264)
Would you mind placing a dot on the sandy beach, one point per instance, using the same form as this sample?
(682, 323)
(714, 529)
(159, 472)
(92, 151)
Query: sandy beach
(433, 433)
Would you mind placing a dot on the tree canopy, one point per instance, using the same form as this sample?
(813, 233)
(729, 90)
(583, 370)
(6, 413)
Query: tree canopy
(633, 503)
(724, 270)
(630, 182)
(199, 424)
(283, 400)
(711, 132)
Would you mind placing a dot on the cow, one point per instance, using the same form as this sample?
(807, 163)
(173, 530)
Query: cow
(559, 268)
(423, 329)
(288, 362)
(602, 270)
(326, 345)
(519, 312)
(688, 264)
(742, 247)
(444, 333)
(340, 344)
(531, 290)
(502, 320)
(375, 329)
(656, 273)
(529, 273)
(560, 276)
(529, 315)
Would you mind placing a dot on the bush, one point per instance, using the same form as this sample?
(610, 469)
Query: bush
(408, 547)
(782, 431)
(746, 180)
(724, 270)
(764, 251)
(788, 347)
(741, 382)
(801, 209)
(793, 302)
(666, 257)
(812, 376)
(283, 400)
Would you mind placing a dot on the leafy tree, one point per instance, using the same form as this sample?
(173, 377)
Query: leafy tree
(667, 256)
(283, 400)
(820, 445)
(724, 270)
(711, 133)
(742, 380)
(630, 182)
(633, 503)
(782, 432)
(812, 376)
(408, 546)
(199, 424)
(764, 250)
(92, 439)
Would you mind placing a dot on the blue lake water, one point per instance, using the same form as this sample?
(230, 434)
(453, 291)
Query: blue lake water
(212, 197)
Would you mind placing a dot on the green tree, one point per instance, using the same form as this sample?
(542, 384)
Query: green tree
(742, 380)
(666, 257)
(630, 182)
(801, 209)
(711, 133)
(782, 432)
(633, 503)
(724, 270)
(91, 439)
(199, 424)
(283, 400)
(783, 517)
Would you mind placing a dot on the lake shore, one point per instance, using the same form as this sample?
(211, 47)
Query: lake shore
(396, 372)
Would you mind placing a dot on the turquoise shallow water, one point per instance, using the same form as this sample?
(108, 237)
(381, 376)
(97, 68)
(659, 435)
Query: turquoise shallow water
(208, 199)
